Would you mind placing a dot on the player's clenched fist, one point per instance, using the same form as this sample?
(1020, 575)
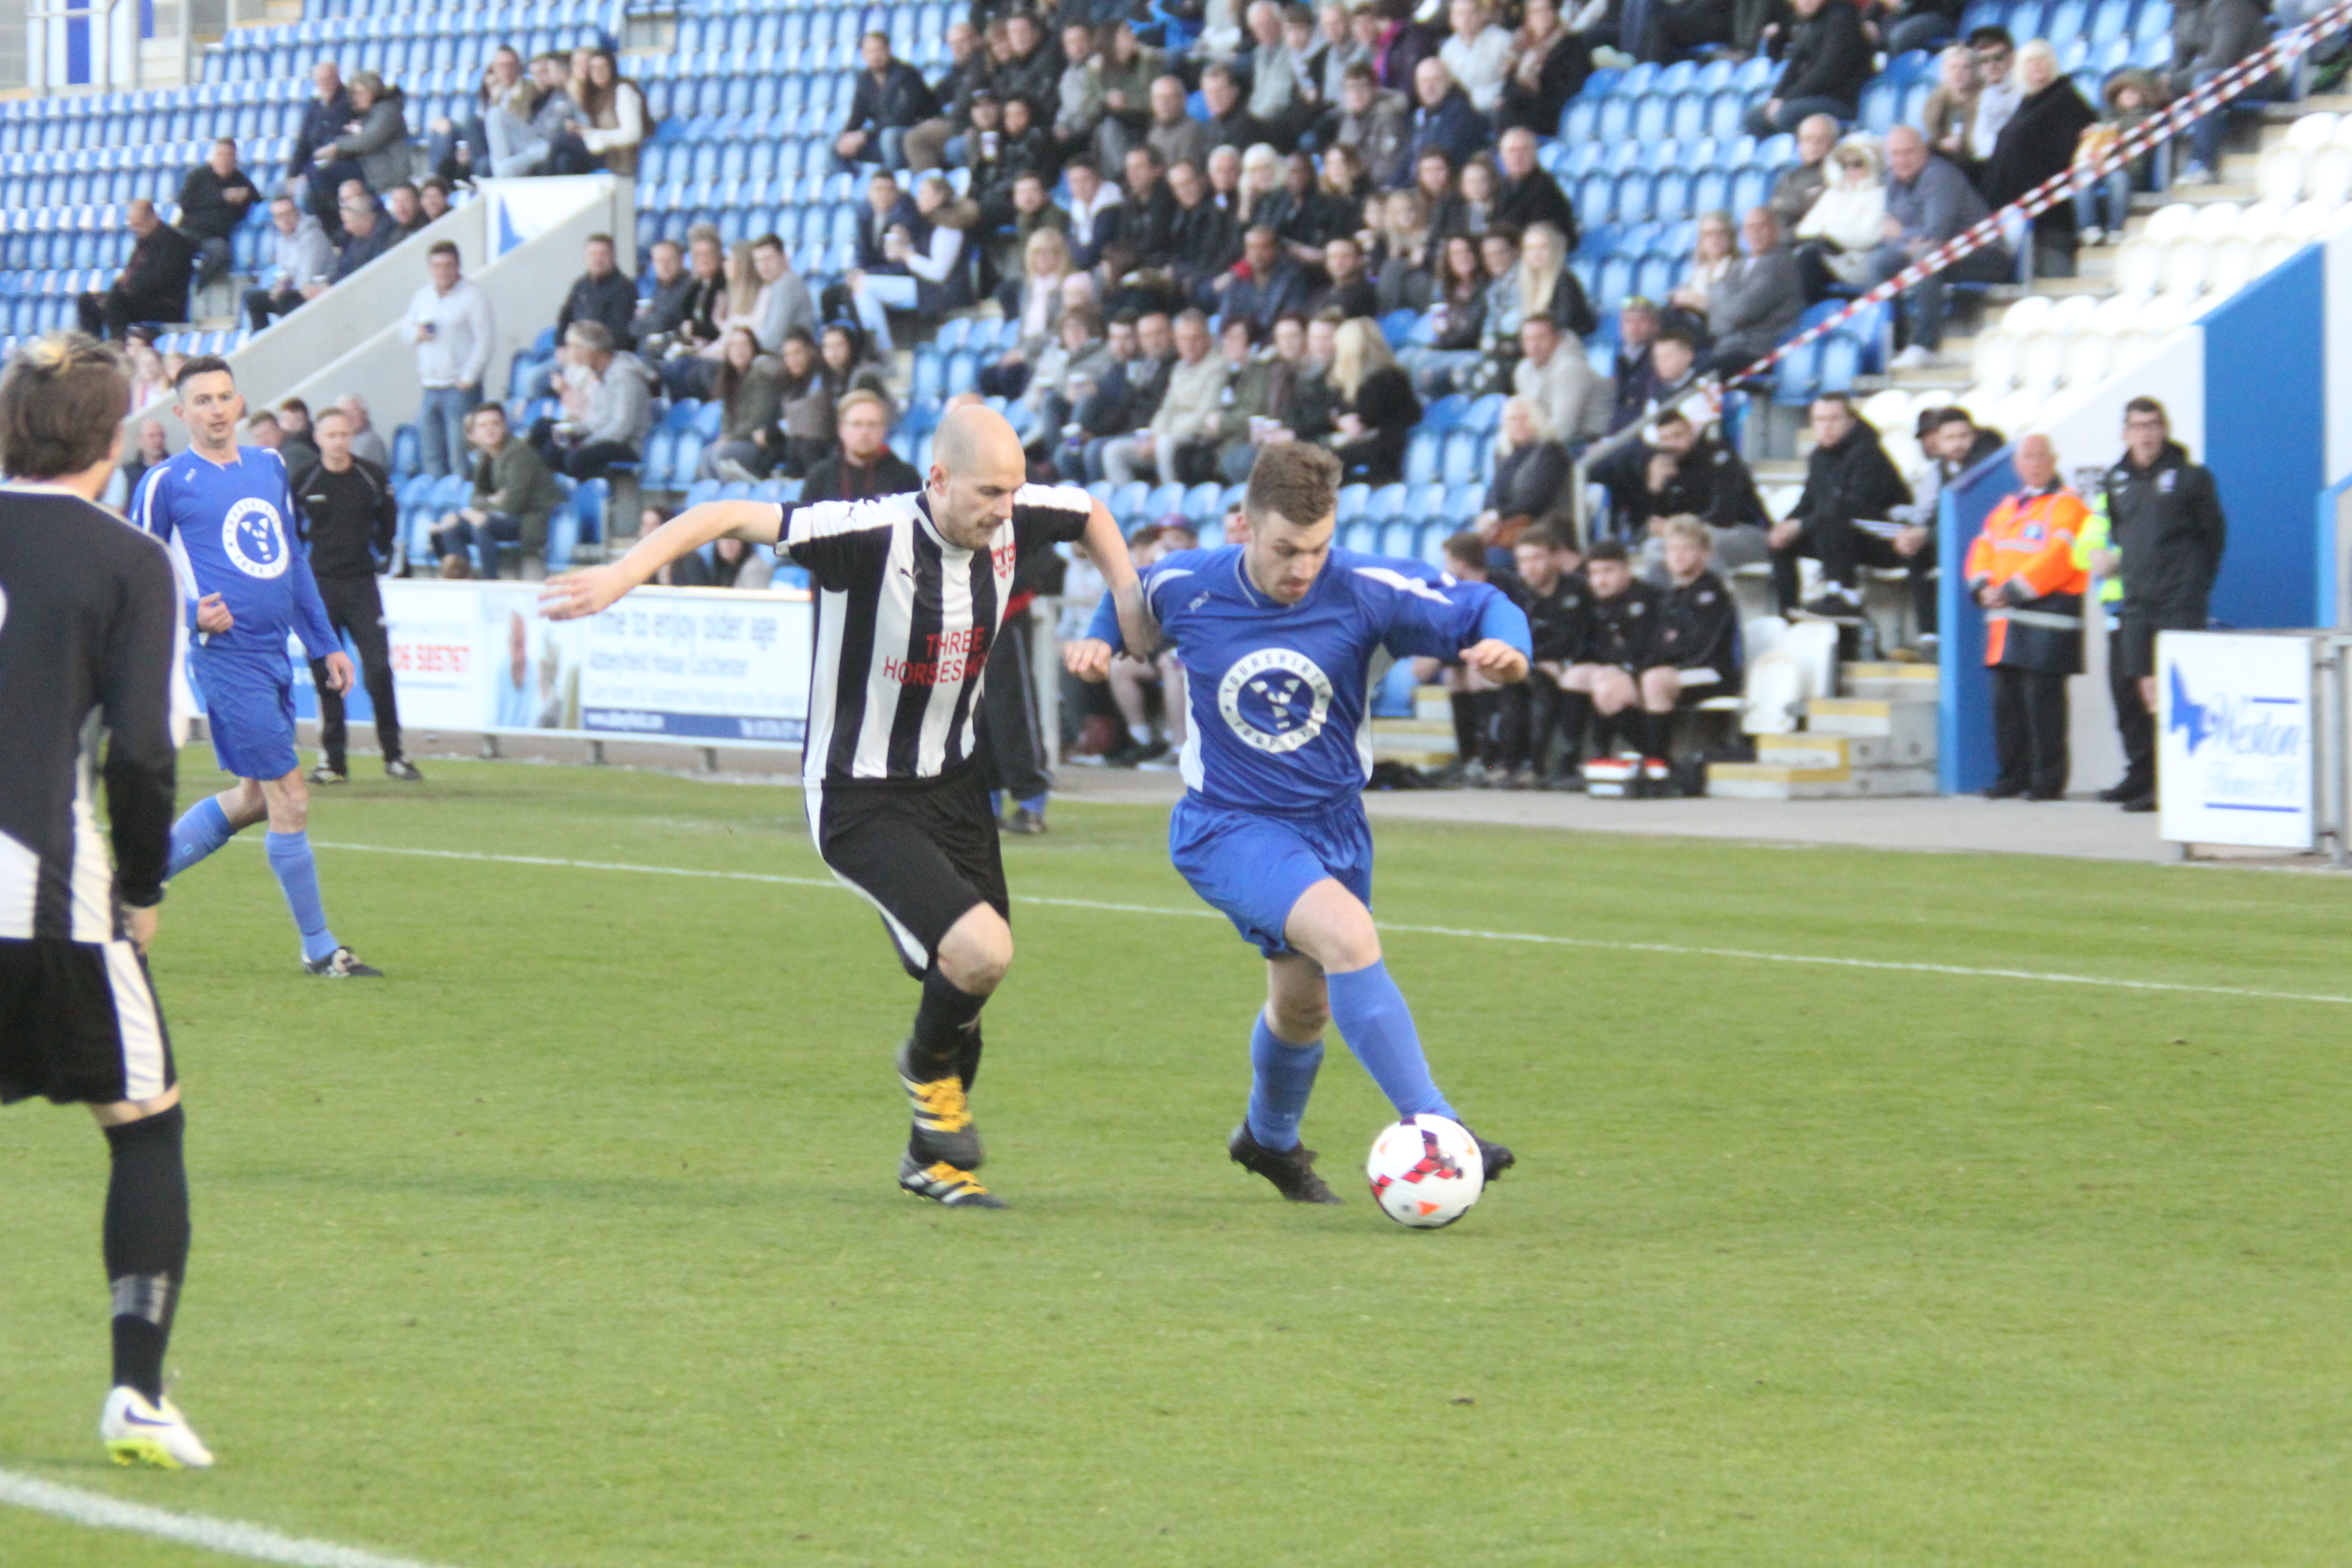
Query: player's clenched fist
(1497, 660)
(1088, 659)
(213, 618)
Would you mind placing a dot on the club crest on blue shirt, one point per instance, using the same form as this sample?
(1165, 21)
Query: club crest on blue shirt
(253, 538)
(1276, 699)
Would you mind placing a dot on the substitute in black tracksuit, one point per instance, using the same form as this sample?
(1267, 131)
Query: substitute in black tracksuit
(1547, 585)
(1848, 479)
(350, 515)
(1626, 621)
(2163, 520)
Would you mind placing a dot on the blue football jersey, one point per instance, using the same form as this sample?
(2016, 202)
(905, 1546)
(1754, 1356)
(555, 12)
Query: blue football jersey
(231, 530)
(1279, 692)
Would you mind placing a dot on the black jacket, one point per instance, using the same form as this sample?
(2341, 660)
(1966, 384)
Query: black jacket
(837, 479)
(349, 518)
(705, 304)
(1854, 478)
(1560, 623)
(1203, 243)
(1701, 622)
(1711, 482)
(1829, 57)
(357, 252)
(2037, 143)
(1036, 76)
(2166, 521)
(1536, 199)
(321, 123)
(1386, 405)
(1529, 481)
(155, 279)
(1241, 130)
(612, 299)
(899, 100)
(205, 211)
(1627, 630)
(1149, 224)
(666, 311)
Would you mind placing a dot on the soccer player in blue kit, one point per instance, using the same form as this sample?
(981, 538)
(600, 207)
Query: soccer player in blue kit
(226, 513)
(1276, 636)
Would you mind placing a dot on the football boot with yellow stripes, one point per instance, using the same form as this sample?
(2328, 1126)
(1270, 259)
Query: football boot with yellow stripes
(945, 1184)
(944, 1126)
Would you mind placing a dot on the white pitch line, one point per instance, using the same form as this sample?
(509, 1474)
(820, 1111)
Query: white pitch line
(1667, 949)
(254, 1541)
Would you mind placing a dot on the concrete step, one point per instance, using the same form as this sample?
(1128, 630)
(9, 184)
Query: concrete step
(1909, 726)
(1762, 781)
(1816, 752)
(1891, 682)
(1424, 742)
(1431, 703)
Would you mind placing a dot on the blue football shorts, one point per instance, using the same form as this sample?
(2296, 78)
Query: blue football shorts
(1253, 868)
(250, 709)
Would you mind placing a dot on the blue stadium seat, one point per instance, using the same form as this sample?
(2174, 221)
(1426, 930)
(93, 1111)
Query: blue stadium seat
(1200, 504)
(1352, 501)
(1386, 501)
(1465, 453)
(1422, 452)
(1127, 503)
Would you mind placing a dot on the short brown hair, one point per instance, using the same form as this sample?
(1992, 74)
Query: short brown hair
(61, 399)
(1467, 547)
(1296, 479)
(859, 398)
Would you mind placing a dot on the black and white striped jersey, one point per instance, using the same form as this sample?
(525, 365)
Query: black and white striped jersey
(89, 634)
(904, 622)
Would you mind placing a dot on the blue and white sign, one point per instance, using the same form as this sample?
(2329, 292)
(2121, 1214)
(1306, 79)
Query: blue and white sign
(2234, 746)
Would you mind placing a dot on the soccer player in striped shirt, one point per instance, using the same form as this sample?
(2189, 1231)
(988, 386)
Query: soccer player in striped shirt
(227, 513)
(911, 591)
(89, 648)
(1276, 636)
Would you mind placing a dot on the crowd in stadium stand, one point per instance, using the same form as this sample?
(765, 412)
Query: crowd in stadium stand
(1207, 226)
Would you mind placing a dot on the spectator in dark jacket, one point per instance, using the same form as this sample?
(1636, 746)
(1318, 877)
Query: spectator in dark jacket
(2039, 141)
(1443, 120)
(864, 466)
(1033, 70)
(374, 146)
(1826, 68)
(1531, 467)
(323, 119)
(1202, 244)
(213, 199)
(153, 285)
(1230, 122)
(1376, 408)
(887, 208)
(1147, 220)
(892, 99)
(1848, 479)
(664, 311)
(603, 293)
(1525, 195)
(1265, 283)
(366, 235)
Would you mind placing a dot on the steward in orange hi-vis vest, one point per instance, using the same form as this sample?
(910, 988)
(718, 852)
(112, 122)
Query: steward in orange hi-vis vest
(2026, 550)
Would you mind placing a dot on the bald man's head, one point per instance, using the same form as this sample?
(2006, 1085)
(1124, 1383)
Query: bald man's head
(2037, 462)
(977, 464)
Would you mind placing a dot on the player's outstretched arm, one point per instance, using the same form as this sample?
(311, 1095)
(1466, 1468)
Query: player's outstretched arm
(594, 588)
(1136, 626)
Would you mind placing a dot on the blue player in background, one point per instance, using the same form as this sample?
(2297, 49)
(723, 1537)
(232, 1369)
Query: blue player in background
(1276, 637)
(226, 513)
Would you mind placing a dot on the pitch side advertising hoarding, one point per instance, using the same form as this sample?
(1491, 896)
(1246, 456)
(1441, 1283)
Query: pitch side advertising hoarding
(2235, 754)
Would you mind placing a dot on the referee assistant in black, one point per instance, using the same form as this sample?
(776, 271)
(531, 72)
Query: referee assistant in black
(912, 591)
(350, 515)
(89, 638)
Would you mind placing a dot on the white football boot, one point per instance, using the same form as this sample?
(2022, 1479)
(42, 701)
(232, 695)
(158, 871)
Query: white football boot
(138, 1432)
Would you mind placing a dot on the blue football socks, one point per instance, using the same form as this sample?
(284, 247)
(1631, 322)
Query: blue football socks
(298, 874)
(1377, 1025)
(202, 829)
(1285, 1077)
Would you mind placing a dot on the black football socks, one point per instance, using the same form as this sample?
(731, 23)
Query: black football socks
(947, 1031)
(146, 1243)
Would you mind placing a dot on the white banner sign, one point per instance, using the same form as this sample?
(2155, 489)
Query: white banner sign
(2234, 753)
(688, 663)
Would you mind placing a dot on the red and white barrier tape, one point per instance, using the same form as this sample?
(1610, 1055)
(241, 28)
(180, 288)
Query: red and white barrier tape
(2171, 121)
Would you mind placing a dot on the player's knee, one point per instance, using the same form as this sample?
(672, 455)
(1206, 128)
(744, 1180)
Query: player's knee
(977, 952)
(1300, 1017)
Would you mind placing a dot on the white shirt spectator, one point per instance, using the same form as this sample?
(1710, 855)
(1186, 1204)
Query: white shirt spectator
(1995, 105)
(457, 351)
(1481, 64)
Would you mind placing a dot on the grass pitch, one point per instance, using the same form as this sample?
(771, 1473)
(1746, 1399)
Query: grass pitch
(575, 1241)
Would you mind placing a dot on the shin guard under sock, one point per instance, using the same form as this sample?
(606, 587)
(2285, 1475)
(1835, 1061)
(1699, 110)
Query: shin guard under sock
(297, 876)
(146, 1243)
(947, 1025)
(202, 828)
(1371, 1014)
(1282, 1078)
